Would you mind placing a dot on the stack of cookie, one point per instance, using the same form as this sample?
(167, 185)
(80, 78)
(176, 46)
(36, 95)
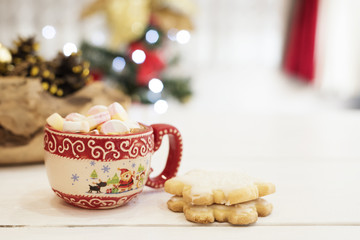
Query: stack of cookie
(206, 196)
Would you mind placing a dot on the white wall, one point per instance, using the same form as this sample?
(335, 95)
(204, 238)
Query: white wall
(228, 33)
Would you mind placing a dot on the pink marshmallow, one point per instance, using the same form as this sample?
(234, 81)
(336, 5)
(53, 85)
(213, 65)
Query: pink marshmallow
(75, 117)
(117, 112)
(97, 119)
(114, 127)
(97, 109)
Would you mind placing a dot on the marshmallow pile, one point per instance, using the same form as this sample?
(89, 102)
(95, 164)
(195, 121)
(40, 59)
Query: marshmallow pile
(99, 119)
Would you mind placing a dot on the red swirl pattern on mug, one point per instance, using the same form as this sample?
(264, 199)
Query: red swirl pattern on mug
(98, 147)
(91, 202)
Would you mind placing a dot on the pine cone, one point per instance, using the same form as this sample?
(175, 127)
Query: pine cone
(70, 74)
(25, 61)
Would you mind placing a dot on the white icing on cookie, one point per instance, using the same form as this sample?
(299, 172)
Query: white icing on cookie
(176, 199)
(200, 208)
(204, 182)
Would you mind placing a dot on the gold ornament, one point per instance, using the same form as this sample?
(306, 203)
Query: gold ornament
(5, 55)
(183, 7)
(167, 19)
(169, 14)
(127, 19)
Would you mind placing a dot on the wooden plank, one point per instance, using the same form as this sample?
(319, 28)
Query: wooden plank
(174, 233)
(308, 193)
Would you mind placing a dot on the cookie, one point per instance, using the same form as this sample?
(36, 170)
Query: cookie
(206, 188)
(238, 214)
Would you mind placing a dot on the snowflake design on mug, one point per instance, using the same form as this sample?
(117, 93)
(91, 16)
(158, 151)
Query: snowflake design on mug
(75, 177)
(105, 168)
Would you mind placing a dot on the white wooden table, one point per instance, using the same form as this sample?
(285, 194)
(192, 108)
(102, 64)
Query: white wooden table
(313, 159)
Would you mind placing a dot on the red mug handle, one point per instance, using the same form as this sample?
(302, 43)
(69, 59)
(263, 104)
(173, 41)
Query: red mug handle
(174, 156)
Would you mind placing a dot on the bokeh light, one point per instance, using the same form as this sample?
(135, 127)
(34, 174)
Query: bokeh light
(118, 64)
(172, 34)
(152, 36)
(48, 32)
(183, 36)
(156, 85)
(161, 106)
(69, 48)
(138, 56)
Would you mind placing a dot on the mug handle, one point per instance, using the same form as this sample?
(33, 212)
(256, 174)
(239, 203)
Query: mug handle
(174, 156)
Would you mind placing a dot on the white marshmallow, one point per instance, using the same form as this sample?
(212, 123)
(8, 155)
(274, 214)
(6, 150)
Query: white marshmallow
(114, 127)
(117, 112)
(56, 121)
(132, 124)
(75, 117)
(97, 119)
(109, 120)
(79, 126)
(97, 109)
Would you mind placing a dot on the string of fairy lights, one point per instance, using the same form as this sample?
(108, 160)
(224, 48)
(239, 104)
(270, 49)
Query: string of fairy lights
(138, 56)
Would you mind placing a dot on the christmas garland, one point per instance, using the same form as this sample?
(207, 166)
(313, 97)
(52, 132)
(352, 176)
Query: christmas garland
(134, 78)
(140, 28)
(65, 75)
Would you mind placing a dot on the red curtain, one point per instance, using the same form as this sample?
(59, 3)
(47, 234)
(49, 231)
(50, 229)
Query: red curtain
(299, 53)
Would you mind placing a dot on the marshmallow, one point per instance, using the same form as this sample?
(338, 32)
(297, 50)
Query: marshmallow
(97, 119)
(100, 119)
(75, 117)
(117, 112)
(97, 109)
(114, 127)
(79, 126)
(56, 121)
(132, 124)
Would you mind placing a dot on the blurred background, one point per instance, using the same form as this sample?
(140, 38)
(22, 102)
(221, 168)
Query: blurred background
(179, 61)
(234, 50)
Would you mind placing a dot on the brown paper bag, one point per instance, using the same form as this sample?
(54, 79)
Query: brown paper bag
(24, 107)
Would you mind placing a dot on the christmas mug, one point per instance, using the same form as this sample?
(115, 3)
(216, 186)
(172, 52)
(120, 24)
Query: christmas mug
(107, 171)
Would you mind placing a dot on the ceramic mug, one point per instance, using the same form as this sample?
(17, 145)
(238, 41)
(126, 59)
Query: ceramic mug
(106, 171)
